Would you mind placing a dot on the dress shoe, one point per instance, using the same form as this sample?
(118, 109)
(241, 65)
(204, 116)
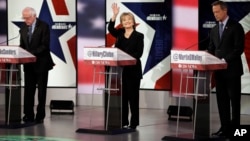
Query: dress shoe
(132, 127)
(38, 120)
(125, 127)
(217, 133)
(221, 133)
(28, 119)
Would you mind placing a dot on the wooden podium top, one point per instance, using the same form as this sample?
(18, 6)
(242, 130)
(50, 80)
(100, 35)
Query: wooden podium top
(196, 60)
(107, 56)
(15, 55)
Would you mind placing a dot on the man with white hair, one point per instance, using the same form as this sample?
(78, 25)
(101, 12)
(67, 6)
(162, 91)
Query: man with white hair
(35, 38)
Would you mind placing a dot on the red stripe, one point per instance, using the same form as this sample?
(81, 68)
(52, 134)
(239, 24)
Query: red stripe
(191, 3)
(110, 40)
(87, 77)
(184, 38)
(72, 48)
(247, 48)
(60, 7)
(164, 83)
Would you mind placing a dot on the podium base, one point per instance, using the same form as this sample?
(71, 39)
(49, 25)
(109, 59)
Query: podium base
(17, 125)
(106, 132)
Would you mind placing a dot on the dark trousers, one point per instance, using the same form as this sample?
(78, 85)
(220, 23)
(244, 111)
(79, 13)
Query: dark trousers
(130, 100)
(228, 92)
(33, 80)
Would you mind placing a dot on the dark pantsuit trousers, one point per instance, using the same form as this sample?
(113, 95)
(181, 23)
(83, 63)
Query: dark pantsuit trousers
(130, 101)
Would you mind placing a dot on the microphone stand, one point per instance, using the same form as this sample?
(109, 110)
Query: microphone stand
(10, 39)
(197, 43)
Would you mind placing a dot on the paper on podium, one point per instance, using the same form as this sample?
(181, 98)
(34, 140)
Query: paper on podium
(196, 60)
(107, 56)
(15, 55)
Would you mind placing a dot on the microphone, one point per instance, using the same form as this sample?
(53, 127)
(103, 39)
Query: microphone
(10, 39)
(101, 46)
(201, 41)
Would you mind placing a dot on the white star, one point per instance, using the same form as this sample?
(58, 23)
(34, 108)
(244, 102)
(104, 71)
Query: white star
(81, 7)
(3, 5)
(98, 23)
(164, 17)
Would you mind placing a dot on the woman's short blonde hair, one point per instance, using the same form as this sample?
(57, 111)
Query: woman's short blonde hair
(127, 14)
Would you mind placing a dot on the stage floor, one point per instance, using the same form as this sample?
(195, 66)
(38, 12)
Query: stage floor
(154, 125)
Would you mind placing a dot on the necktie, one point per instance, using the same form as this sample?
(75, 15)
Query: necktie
(30, 33)
(221, 29)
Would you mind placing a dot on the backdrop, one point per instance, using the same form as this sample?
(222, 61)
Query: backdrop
(154, 19)
(238, 10)
(61, 17)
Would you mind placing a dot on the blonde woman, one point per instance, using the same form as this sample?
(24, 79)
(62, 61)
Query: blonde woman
(130, 41)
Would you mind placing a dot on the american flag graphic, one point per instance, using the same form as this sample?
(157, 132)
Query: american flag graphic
(92, 17)
(157, 41)
(239, 11)
(190, 18)
(185, 34)
(154, 20)
(91, 32)
(61, 17)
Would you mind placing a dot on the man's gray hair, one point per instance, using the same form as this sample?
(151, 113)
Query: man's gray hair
(32, 10)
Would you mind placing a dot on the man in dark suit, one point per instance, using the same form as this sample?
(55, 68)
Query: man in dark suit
(35, 38)
(228, 46)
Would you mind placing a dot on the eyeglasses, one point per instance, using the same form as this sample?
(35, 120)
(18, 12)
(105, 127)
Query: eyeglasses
(27, 18)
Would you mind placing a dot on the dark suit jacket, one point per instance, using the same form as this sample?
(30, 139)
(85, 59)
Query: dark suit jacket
(230, 47)
(132, 46)
(39, 46)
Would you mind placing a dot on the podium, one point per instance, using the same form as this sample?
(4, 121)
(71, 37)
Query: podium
(113, 59)
(11, 57)
(202, 64)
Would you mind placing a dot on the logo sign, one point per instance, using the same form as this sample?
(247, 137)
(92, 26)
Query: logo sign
(241, 132)
(99, 53)
(187, 57)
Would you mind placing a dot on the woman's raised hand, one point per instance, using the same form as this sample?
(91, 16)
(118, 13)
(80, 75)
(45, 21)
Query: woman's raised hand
(115, 9)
